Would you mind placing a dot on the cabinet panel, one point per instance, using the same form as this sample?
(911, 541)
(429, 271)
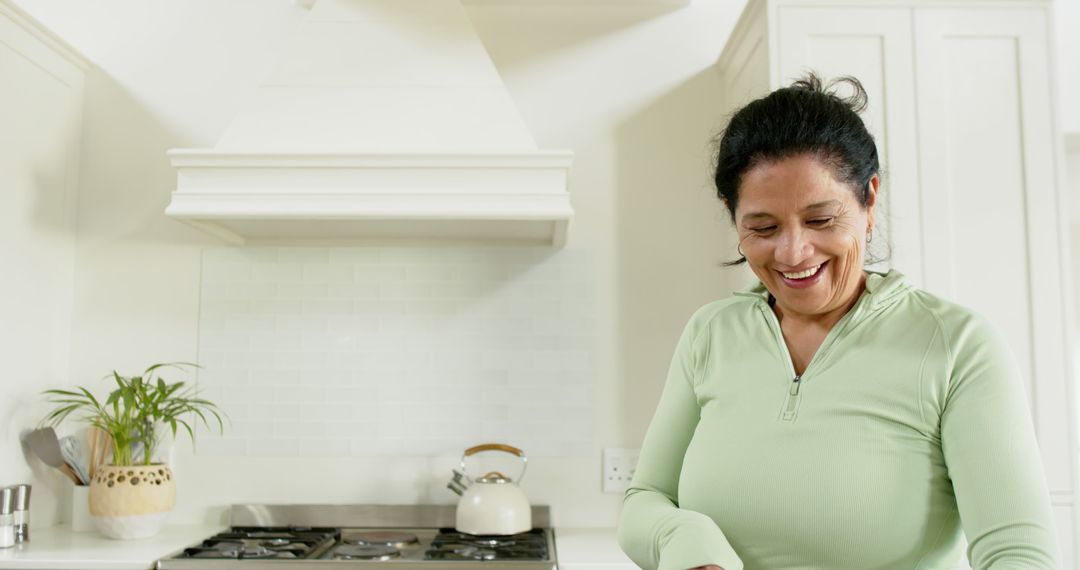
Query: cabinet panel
(874, 46)
(993, 241)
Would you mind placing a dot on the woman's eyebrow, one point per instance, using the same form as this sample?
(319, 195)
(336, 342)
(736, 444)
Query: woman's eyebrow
(822, 205)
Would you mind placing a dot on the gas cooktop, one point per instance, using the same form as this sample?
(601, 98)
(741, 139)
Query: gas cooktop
(384, 537)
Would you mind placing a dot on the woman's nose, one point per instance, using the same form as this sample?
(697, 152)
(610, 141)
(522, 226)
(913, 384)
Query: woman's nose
(793, 248)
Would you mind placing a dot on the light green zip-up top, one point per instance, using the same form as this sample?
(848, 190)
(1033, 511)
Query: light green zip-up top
(909, 424)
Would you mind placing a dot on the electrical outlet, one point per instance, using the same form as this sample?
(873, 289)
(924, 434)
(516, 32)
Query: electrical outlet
(619, 466)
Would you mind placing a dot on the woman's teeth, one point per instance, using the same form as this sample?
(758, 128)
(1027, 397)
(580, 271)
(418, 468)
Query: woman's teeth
(802, 274)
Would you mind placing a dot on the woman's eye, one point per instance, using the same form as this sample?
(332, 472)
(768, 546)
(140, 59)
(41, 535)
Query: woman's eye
(820, 221)
(763, 230)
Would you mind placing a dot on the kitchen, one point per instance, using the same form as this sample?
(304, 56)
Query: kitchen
(631, 88)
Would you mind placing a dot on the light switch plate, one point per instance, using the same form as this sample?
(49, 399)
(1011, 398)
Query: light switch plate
(619, 466)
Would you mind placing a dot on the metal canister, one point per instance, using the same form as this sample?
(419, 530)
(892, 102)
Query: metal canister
(21, 513)
(7, 520)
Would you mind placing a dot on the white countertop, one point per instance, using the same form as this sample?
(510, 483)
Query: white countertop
(590, 549)
(59, 548)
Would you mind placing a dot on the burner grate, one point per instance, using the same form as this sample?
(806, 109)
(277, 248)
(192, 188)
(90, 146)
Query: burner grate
(252, 543)
(452, 545)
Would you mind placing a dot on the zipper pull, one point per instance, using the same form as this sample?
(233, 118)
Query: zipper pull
(792, 400)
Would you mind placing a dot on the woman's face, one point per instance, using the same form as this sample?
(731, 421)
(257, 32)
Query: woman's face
(803, 234)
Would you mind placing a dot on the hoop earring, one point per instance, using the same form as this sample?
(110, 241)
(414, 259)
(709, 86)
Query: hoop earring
(738, 248)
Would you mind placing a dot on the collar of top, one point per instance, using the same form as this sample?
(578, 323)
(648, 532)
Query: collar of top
(881, 288)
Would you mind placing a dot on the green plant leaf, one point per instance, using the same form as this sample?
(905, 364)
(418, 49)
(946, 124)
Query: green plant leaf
(134, 408)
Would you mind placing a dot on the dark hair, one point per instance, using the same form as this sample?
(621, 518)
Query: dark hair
(807, 117)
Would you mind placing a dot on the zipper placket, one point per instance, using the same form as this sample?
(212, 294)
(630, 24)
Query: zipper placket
(791, 402)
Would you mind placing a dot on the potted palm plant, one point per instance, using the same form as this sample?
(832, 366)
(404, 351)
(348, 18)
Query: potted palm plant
(132, 496)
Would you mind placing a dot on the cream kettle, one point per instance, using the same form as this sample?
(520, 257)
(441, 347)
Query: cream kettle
(492, 504)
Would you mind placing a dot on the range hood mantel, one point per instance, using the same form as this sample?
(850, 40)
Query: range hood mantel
(385, 121)
(344, 198)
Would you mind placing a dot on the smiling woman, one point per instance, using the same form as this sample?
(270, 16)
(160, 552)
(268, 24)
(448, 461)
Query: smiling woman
(830, 417)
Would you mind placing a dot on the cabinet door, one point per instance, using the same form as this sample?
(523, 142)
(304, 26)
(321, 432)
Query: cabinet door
(990, 206)
(874, 46)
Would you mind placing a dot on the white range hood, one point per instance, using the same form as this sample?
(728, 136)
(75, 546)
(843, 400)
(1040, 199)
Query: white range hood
(386, 120)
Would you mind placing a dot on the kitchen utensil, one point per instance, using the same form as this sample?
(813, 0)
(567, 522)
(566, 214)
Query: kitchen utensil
(72, 450)
(492, 504)
(101, 444)
(44, 443)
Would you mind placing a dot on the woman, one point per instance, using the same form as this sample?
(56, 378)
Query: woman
(829, 417)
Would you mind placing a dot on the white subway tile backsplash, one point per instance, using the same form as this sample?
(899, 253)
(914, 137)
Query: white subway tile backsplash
(328, 307)
(300, 429)
(353, 290)
(325, 448)
(379, 307)
(303, 394)
(276, 306)
(357, 255)
(432, 273)
(221, 446)
(329, 273)
(306, 255)
(302, 323)
(328, 378)
(227, 341)
(300, 291)
(251, 428)
(246, 323)
(273, 447)
(227, 271)
(335, 410)
(275, 412)
(283, 272)
(380, 274)
(262, 376)
(334, 352)
(254, 412)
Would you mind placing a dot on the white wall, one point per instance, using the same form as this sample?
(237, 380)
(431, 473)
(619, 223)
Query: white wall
(1067, 21)
(39, 151)
(630, 89)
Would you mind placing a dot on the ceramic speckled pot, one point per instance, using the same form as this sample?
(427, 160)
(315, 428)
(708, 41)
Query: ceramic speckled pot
(131, 501)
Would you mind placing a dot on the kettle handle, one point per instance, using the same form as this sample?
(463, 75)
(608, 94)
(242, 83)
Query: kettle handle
(497, 447)
(494, 447)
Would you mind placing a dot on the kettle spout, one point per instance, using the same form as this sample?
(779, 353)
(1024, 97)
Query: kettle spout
(459, 483)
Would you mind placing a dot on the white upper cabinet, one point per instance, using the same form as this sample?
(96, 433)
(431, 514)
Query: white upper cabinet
(962, 110)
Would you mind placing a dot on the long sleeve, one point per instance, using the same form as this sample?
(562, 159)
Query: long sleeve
(653, 531)
(993, 460)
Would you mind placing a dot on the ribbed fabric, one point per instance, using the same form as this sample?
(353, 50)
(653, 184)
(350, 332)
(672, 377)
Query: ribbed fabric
(909, 426)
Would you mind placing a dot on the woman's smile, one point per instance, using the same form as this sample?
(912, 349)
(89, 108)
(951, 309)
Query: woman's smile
(805, 278)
